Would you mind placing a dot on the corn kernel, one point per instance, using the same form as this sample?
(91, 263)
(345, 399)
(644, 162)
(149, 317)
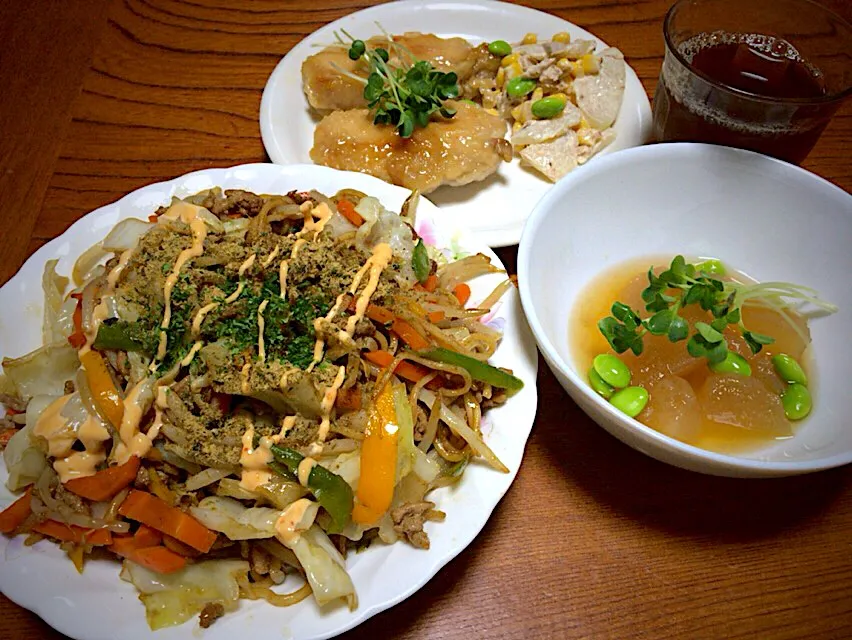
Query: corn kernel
(501, 77)
(538, 94)
(493, 112)
(507, 60)
(516, 126)
(514, 70)
(561, 96)
(562, 36)
(530, 38)
(516, 112)
(577, 69)
(586, 136)
(584, 124)
(590, 63)
(564, 64)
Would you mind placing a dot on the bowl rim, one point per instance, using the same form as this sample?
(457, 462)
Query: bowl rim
(682, 152)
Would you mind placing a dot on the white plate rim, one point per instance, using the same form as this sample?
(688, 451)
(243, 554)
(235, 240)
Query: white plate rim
(633, 124)
(55, 600)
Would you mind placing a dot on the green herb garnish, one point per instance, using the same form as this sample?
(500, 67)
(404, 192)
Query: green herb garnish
(407, 95)
(684, 284)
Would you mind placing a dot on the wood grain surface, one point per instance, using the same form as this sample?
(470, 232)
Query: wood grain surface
(594, 540)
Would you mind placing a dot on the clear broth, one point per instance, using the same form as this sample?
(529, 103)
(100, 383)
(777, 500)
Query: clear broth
(663, 361)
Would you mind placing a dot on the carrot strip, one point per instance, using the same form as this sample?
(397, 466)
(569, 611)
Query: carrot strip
(78, 338)
(73, 533)
(410, 371)
(105, 484)
(409, 335)
(431, 283)
(462, 293)
(435, 316)
(146, 536)
(151, 510)
(347, 210)
(14, 515)
(152, 218)
(158, 559)
(375, 312)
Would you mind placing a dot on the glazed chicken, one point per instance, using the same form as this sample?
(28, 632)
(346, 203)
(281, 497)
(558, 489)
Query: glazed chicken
(327, 88)
(455, 151)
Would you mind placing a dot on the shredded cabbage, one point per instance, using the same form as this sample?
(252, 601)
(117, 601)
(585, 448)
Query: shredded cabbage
(43, 371)
(53, 286)
(172, 599)
(125, 235)
(324, 568)
(24, 460)
(230, 517)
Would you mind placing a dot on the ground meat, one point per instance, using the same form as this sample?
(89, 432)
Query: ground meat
(71, 499)
(211, 612)
(142, 480)
(408, 521)
(236, 203)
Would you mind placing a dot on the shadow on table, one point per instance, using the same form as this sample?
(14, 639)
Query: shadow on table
(662, 496)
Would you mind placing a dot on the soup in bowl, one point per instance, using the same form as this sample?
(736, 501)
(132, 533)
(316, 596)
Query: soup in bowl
(590, 243)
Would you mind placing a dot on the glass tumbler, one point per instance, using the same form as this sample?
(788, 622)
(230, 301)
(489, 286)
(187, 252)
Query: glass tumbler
(765, 75)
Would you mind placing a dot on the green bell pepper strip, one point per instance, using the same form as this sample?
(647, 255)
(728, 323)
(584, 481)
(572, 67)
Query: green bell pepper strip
(420, 262)
(330, 490)
(477, 369)
(122, 336)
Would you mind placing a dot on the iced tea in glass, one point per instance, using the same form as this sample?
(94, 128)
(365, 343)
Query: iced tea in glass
(765, 75)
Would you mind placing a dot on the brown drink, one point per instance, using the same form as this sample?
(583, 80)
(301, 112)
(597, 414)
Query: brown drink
(745, 89)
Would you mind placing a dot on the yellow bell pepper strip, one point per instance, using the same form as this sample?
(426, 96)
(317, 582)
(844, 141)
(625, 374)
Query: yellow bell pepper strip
(378, 461)
(104, 392)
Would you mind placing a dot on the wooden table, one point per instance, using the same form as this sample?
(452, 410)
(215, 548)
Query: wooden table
(594, 539)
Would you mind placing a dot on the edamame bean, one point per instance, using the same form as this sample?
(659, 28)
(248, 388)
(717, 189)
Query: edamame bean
(499, 48)
(788, 369)
(712, 267)
(612, 370)
(518, 87)
(733, 363)
(599, 385)
(630, 400)
(548, 107)
(796, 401)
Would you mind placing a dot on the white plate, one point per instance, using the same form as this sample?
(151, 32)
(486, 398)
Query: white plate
(97, 605)
(496, 208)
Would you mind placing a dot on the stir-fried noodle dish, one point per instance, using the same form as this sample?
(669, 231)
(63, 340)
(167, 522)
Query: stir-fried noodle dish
(250, 387)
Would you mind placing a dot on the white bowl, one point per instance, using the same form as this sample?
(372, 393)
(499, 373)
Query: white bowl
(767, 218)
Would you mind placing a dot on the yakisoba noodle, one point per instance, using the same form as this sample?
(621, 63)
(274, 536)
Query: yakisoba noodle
(249, 387)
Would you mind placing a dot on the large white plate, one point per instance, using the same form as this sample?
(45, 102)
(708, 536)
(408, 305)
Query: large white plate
(99, 606)
(495, 209)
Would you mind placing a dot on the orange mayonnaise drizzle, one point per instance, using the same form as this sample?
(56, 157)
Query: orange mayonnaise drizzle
(304, 470)
(326, 406)
(101, 311)
(60, 437)
(296, 518)
(261, 326)
(376, 263)
(199, 317)
(254, 461)
(132, 441)
(187, 213)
